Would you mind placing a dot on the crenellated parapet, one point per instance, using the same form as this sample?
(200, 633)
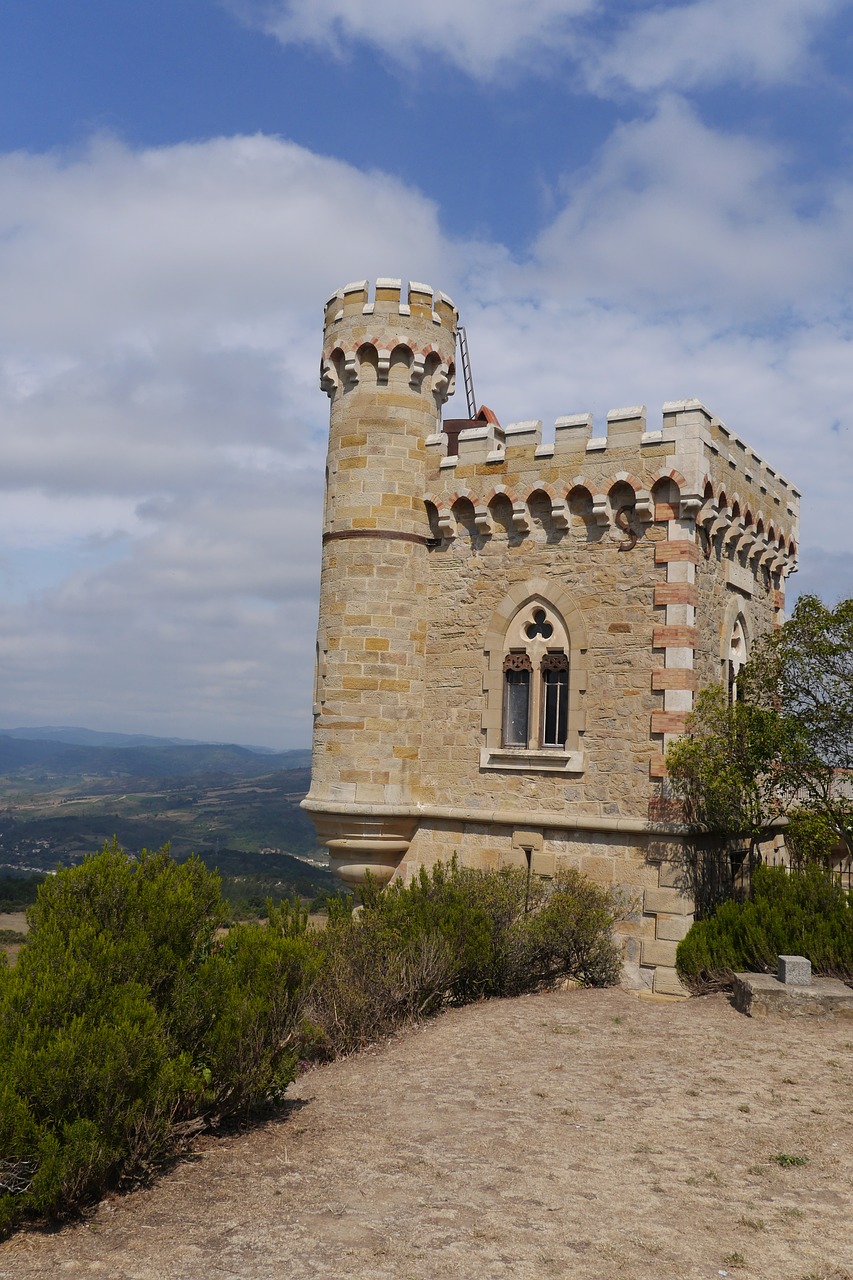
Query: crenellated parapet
(693, 467)
(368, 337)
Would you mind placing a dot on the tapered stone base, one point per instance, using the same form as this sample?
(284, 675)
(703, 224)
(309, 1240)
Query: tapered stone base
(358, 846)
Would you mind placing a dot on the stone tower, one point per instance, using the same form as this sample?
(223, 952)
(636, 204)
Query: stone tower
(387, 367)
(512, 631)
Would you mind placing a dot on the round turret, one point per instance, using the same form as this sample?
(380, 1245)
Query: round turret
(388, 367)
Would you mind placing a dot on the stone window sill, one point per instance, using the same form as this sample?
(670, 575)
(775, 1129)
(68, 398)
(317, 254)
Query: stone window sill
(544, 760)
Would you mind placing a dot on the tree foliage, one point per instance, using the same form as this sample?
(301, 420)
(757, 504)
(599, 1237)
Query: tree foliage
(804, 671)
(724, 774)
(784, 751)
(125, 1019)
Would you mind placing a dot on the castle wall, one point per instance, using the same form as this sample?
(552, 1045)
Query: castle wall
(638, 564)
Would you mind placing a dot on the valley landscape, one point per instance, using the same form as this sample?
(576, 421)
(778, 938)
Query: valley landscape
(237, 808)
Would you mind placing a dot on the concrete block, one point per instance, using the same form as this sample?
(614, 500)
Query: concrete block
(795, 970)
(763, 995)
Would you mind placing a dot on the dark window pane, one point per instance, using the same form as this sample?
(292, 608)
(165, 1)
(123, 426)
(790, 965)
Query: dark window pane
(516, 708)
(555, 696)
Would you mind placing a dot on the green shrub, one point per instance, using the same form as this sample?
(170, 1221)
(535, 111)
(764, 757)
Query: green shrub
(454, 935)
(789, 913)
(125, 1020)
(129, 1023)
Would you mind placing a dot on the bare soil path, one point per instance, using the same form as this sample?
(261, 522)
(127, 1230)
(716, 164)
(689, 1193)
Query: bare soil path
(587, 1134)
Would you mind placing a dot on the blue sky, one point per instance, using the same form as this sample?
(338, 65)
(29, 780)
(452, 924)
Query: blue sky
(630, 202)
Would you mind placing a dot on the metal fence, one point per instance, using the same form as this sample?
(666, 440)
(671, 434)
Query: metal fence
(838, 867)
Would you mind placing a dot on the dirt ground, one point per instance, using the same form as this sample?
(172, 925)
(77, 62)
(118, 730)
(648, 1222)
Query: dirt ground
(16, 920)
(588, 1134)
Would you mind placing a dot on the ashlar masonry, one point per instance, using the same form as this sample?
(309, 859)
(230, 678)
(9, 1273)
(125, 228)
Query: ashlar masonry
(510, 632)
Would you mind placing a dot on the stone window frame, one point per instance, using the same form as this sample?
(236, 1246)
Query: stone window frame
(556, 600)
(735, 620)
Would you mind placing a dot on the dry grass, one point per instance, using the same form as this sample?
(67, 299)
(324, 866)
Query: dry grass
(581, 1133)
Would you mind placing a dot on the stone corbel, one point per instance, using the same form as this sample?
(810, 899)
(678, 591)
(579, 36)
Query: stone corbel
(560, 515)
(691, 504)
(734, 531)
(600, 509)
(707, 514)
(745, 542)
(644, 507)
(383, 367)
(483, 520)
(520, 517)
(328, 377)
(446, 523)
(351, 370)
(418, 370)
(443, 383)
(759, 549)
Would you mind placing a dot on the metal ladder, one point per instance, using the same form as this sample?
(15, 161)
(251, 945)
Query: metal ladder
(466, 372)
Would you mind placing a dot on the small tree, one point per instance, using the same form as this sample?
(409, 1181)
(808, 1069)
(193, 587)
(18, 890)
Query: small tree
(804, 671)
(724, 774)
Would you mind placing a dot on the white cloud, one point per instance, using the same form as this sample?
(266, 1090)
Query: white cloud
(642, 47)
(484, 38)
(680, 216)
(691, 46)
(163, 433)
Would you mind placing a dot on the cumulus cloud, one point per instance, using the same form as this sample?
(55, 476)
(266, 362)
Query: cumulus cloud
(163, 432)
(164, 435)
(689, 46)
(481, 37)
(646, 47)
(678, 215)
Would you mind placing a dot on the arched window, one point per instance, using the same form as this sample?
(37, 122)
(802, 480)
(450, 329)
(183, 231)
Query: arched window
(555, 699)
(534, 682)
(515, 721)
(735, 658)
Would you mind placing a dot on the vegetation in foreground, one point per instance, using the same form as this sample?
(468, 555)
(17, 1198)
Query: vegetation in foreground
(128, 1024)
(777, 759)
(807, 913)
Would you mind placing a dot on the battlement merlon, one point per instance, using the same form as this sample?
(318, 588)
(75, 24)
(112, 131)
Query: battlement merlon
(719, 477)
(419, 321)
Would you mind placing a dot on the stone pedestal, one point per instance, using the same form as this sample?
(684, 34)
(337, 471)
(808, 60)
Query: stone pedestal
(762, 995)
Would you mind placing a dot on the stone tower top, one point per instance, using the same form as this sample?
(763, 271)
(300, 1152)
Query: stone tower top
(356, 326)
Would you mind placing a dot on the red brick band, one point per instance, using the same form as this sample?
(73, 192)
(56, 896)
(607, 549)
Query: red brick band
(674, 637)
(667, 552)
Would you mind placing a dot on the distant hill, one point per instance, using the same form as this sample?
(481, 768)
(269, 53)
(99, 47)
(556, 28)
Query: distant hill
(79, 737)
(41, 758)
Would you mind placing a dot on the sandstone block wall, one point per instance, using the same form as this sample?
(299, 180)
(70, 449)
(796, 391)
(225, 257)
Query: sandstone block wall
(655, 557)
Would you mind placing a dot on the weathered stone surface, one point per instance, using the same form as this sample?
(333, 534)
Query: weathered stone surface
(668, 983)
(763, 995)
